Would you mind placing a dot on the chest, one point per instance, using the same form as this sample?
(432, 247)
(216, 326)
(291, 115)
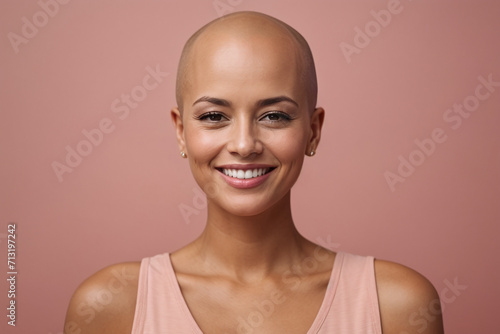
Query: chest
(223, 308)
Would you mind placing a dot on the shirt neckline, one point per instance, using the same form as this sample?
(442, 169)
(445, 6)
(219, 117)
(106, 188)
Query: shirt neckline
(318, 320)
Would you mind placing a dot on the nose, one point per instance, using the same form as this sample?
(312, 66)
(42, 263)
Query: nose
(244, 139)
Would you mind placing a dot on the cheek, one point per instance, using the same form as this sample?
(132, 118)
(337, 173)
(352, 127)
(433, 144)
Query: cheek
(202, 146)
(287, 145)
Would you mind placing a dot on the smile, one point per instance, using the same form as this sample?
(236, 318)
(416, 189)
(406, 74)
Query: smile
(245, 177)
(245, 174)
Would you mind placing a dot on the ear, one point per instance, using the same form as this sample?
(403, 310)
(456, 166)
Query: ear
(176, 116)
(316, 125)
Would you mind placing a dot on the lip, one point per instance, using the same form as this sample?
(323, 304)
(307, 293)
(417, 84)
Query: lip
(244, 166)
(245, 183)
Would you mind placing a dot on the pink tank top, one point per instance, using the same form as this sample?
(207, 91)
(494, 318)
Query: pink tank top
(350, 304)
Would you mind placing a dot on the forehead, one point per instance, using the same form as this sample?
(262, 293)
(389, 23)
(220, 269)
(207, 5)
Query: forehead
(225, 61)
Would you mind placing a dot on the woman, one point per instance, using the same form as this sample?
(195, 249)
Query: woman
(246, 116)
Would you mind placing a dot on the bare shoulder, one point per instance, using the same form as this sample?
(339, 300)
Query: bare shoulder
(409, 303)
(105, 302)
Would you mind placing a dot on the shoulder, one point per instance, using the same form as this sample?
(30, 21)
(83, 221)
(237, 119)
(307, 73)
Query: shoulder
(408, 302)
(105, 302)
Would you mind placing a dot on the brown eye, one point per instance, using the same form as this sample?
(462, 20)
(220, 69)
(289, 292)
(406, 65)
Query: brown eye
(276, 117)
(212, 117)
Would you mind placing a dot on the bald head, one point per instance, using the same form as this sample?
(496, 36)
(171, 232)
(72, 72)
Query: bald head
(248, 28)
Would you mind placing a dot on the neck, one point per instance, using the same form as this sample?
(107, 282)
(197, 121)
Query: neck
(250, 247)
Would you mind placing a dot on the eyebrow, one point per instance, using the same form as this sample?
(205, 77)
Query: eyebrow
(260, 103)
(275, 100)
(213, 100)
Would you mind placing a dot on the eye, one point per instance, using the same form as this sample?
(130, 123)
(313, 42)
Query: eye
(276, 116)
(212, 117)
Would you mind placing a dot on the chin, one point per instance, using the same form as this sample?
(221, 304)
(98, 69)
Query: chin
(248, 209)
(247, 206)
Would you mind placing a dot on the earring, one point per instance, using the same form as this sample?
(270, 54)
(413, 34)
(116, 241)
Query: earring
(312, 153)
(184, 155)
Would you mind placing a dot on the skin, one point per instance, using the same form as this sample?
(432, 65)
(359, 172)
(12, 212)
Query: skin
(259, 110)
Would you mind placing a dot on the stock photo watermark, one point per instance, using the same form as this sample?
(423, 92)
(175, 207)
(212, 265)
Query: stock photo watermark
(292, 279)
(199, 201)
(121, 108)
(198, 204)
(453, 117)
(223, 7)
(31, 27)
(428, 314)
(363, 37)
(87, 310)
(11, 262)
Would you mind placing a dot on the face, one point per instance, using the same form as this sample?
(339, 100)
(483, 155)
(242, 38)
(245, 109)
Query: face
(246, 124)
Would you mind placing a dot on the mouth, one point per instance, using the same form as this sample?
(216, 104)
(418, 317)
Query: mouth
(246, 173)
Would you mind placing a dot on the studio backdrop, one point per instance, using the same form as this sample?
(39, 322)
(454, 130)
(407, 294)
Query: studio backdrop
(407, 169)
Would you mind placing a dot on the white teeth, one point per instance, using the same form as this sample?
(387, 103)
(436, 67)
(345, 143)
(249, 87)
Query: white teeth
(245, 174)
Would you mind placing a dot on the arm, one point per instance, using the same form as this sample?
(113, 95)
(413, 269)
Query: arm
(105, 302)
(408, 302)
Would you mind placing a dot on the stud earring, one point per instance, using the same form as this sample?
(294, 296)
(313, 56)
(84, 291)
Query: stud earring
(184, 155)
(312, 153)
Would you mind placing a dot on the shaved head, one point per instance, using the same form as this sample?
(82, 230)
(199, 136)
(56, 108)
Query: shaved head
(248, 28)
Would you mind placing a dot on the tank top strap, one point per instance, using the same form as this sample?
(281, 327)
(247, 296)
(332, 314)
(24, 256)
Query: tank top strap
(160, 307)
(182, 309)
(354, 308)
(331, 289)
(142, 291)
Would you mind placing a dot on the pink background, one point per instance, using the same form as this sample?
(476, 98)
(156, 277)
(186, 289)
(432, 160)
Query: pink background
(123, 202)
